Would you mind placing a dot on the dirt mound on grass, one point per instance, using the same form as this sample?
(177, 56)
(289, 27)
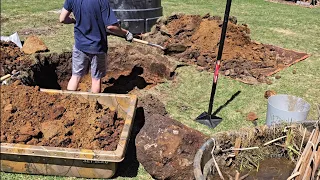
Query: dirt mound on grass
(31, 117)
(243, 59)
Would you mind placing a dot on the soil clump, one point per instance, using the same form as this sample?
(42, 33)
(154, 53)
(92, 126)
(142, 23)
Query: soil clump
(34, 45)
(243, 59)
(29, 116)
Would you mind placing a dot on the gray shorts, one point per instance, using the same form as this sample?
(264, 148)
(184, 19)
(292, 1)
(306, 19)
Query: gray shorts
(82, 60)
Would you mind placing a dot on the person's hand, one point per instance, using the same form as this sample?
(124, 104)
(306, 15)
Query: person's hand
(129, 36)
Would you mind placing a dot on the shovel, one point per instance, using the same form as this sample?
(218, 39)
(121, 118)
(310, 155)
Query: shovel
(207, 118)
(148, 43)
(173, 48)
(170, 49)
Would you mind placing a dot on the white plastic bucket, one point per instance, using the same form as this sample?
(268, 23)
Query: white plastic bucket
(286, 108)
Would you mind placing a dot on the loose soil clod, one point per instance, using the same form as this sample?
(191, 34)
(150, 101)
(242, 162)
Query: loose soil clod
(34, 45)
(269, 93)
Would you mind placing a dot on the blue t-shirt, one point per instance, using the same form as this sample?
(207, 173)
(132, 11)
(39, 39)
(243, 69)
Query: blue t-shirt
(92, 17)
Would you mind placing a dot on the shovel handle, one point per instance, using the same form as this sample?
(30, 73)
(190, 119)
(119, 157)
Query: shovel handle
(5, 77)
(148, 43)
(140, 41)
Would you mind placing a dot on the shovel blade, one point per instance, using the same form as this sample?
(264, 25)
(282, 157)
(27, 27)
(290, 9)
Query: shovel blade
(209, 120)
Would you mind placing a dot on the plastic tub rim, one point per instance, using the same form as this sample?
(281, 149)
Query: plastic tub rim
(278, 95)
(74, 153)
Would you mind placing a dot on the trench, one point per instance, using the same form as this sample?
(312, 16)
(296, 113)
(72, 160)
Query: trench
(53, 71)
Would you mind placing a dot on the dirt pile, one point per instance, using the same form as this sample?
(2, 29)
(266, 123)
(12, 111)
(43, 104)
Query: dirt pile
(31, 117)
(165, 147)
(243, 59)
(12, 58)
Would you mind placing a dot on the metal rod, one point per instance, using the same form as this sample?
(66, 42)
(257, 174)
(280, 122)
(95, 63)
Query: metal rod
(221, 44)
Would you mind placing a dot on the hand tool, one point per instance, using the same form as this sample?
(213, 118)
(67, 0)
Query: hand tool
(207, 118)
(174, 48)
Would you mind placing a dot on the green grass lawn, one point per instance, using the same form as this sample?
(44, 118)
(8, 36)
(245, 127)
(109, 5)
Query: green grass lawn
(288, 26)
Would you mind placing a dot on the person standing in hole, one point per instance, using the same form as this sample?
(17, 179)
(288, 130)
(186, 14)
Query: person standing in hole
(92, 20)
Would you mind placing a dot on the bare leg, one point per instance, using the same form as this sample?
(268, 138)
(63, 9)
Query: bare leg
(73, 83)
(96, 85)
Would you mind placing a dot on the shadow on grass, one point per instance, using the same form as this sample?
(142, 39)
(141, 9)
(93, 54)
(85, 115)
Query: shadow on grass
(211, 120)
(130, 165)
(225, 104)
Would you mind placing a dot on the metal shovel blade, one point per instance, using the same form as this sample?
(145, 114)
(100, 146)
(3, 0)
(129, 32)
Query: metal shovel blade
(209, 120)
(157, 45)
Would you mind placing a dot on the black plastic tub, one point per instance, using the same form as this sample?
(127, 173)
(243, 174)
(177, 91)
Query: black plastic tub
(138, 16)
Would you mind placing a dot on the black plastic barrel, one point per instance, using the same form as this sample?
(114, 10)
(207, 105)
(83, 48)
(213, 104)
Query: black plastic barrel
(138, 16)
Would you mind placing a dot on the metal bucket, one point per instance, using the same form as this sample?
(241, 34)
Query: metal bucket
(286, 108)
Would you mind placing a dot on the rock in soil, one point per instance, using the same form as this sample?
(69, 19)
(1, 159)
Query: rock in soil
(269, 93)
(165, 147)
(252, 116)
(32, 117)
(34, 45)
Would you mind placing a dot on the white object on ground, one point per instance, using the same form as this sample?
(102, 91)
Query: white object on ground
(286, 108)
(13, 38)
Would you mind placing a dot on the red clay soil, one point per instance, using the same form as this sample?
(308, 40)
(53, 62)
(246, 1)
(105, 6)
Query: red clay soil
(31, 117)
(12, 58)
(243, 59)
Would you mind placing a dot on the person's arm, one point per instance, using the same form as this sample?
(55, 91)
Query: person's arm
(117, 30)
(65, 17)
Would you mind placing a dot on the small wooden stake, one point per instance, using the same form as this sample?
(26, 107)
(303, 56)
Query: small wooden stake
(237, 175)
(304, 135)
(237, 144)
(267, 143)
(243, 177)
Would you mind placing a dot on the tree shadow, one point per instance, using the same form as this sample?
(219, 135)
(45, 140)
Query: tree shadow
(130, 165)
(125, 84)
